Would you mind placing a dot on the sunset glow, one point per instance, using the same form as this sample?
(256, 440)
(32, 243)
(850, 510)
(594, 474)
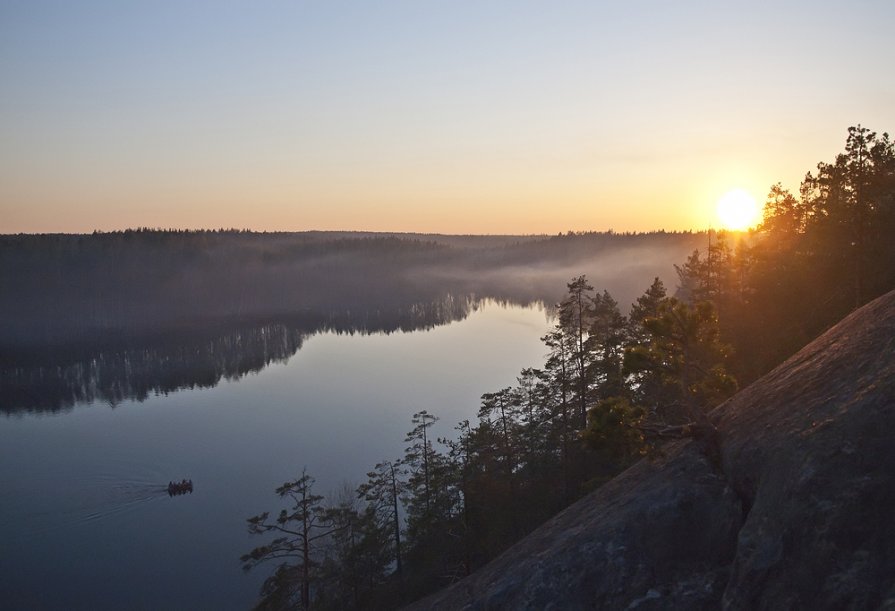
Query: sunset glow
(738, 210)
(463, 117)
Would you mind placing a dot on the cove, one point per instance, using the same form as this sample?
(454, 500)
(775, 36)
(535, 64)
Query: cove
(86, 522)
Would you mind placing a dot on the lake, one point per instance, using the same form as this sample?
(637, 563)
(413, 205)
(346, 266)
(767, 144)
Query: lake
(85, 520)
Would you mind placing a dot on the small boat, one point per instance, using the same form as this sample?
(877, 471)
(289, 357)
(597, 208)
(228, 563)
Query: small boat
(181, 487)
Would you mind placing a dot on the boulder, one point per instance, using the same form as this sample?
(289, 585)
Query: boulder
(795, 515)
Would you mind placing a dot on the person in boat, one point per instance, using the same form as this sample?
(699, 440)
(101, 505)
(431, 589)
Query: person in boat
(181, 487)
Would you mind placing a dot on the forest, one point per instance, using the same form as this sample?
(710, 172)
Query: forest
(55, 378)
(61, 289)
(611, 389)
(112, 316)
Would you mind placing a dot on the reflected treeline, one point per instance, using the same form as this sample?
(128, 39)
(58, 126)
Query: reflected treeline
(54, 379)
(111, 316)
(65, 288)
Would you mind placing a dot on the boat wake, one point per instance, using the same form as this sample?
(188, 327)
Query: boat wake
(80, 503)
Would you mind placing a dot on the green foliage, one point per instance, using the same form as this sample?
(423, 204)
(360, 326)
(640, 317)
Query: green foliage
(358, 555)
(452, 504)
(574, 319)
(428, 492)
(816, 256)
(685, 354)
(607, 336)
(299, 531)
(381, 492)
(613, 431)
(610, 386)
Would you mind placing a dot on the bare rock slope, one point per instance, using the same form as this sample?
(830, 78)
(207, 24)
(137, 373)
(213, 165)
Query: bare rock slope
(799, 514)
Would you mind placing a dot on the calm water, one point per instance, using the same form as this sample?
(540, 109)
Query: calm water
(85, 522)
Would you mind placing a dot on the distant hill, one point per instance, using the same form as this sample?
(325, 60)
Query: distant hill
(796, 513)
(60, 288)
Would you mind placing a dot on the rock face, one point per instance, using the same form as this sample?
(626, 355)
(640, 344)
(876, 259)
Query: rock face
(797, 515)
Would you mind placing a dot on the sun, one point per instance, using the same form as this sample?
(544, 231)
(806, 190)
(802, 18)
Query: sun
(737, 210)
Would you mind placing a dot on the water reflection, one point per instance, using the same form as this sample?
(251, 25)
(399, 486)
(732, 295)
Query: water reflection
(86, 506)
(50, 379)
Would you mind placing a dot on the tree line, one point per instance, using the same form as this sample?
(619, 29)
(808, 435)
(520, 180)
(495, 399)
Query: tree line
(114, 369)
(612, 387)
(64, 289)
(816, 256)
(609, 385)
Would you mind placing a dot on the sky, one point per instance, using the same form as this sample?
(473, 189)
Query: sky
(437, 117)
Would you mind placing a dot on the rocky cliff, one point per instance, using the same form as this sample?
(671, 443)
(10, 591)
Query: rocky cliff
(797, 514)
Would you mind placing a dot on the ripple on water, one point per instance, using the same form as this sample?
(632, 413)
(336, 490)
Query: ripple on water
(69, 500)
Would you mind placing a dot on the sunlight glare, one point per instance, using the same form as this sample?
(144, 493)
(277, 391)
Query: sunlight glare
(737, 210)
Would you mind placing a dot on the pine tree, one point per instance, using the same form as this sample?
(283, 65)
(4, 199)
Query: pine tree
(574, 318)
(381, 492)
(300, 531)
(606, 340)
(686, 352)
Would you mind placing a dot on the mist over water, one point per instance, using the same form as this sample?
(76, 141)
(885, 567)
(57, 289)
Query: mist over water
(138, 285)
(237, 361)
(86, 507)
